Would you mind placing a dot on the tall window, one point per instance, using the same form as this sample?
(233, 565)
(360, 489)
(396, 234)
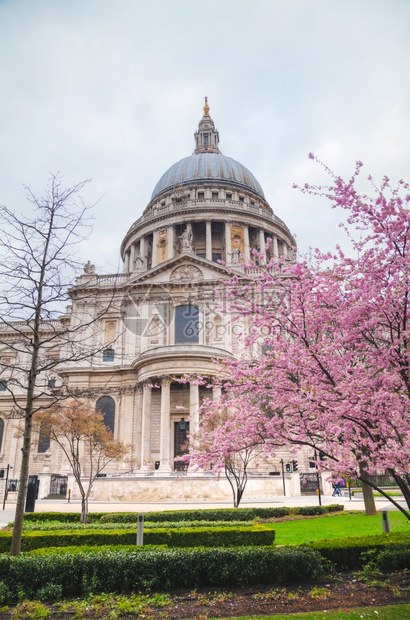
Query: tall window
(108, 355)
(106, 406)
(3, 386)
(186, 324)
(1, 432)
(44, 439)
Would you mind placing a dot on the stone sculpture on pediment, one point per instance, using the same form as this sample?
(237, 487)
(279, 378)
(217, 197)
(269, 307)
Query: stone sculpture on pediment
(186, 273)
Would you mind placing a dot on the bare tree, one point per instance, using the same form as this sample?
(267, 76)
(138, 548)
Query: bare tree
(85, 440)
(37, 267)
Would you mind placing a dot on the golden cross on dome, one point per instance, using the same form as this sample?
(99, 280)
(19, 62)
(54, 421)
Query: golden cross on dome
(206, 107)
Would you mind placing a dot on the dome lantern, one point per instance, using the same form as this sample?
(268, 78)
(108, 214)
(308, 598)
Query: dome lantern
(207, 137)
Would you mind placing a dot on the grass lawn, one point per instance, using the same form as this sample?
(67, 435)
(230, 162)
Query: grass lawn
(337, 526)
(391, 612)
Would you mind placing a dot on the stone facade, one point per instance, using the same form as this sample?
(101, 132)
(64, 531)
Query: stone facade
(165, 321)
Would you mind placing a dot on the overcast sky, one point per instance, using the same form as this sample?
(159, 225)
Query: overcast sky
(113, 90)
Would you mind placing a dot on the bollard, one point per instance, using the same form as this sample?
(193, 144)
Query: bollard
(385, 521)
(68, 496)
(140, 529)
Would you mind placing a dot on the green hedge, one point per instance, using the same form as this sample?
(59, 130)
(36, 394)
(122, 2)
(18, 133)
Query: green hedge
(70, 575)
(181, 537)
(63, 517)
(218, 514)
(393, 559)
(50, 526)
(345, 553)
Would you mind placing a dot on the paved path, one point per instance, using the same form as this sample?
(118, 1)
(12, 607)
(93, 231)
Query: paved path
(7, 515)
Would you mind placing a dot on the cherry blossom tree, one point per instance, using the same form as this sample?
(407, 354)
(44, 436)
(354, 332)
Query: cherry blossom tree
(334, 373)
(231, 439)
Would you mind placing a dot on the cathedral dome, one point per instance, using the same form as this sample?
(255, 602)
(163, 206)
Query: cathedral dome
(203, 166)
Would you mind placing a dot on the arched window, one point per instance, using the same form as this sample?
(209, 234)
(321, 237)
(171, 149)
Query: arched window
(106, 406)
(186, 324)
(108, 355)
(1, 432)
(44, 439)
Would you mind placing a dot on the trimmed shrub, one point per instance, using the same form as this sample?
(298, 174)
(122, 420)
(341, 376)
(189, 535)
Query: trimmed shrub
(134, 571)
(50, 526)
(181, 537)
(346, 553)
(63, 517)
(393, 559)
(217, 514)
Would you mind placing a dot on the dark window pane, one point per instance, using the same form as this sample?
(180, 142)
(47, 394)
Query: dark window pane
(201, 255)
(108, 355)
(44, 439)
(216, 257)
(3, 385)
(106, 406)
(186, 324)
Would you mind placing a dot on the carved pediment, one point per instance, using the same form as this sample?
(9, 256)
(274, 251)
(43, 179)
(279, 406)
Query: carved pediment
(186, 273)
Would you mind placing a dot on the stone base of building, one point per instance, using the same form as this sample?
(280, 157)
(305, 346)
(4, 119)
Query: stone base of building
(184, 488)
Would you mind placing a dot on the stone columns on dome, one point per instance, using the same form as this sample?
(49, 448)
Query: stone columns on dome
(275, 247)
(154, 248)
(262, 245)
(228, 244)
(127, 262)
(208, 240)
(246, 242)
(165, 430)
(132, 257)
(146, 465)
(142, 253)
(171, 232)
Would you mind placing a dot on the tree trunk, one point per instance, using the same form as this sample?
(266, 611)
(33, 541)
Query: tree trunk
(368, 498)
(22, 492)
(84, 509)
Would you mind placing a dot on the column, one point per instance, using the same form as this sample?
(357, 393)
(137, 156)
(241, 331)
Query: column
(208, 240)
(170, 242)
(146, 465)
(142, 253)
(193, 409)
(193, 421)
(154, 248)
(165, 432)
(216, 393)
(275, 247)
(136, 435)
(262, 245)
(284, 249)
(125, 420)
(132, 258)
(228, 244)
(126, 262)
(247, 244)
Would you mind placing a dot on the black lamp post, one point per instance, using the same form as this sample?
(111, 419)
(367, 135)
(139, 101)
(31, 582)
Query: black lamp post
(318, 481)
(283, 478)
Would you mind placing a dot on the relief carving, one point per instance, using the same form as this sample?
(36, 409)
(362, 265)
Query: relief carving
(186, 273)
